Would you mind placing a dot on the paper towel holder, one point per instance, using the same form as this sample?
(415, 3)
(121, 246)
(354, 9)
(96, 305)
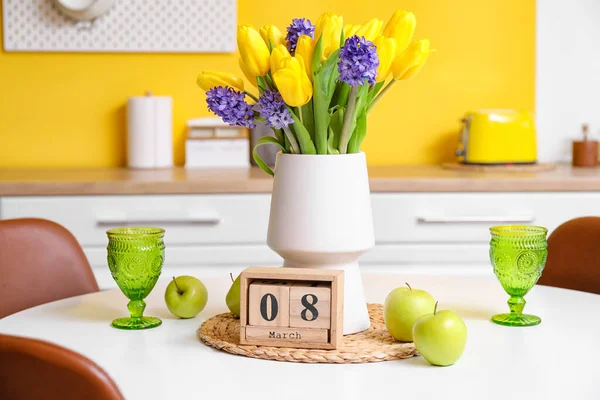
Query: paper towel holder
(149, 131)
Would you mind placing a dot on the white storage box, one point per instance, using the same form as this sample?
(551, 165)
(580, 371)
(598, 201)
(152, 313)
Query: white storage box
(217, 152)
(213, 143)
(211, 127)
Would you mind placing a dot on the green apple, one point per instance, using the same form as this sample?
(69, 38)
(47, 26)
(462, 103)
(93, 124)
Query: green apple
(186, 296)
(403, 306)
(440, 337)
(233, 297)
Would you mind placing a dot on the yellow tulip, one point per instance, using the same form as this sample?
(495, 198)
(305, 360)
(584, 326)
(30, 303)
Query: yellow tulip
(247, 73)
(408, 63)
(253, 50)
(209, 79)
(293, 83)
(350, 30)
(304, 49)
(401, 27)
(386, 51)
(273, 34)
(329, 27)
(371, 29)
(278, 56)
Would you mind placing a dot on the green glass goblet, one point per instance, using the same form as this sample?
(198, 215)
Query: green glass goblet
(135, 259)
(518, 254)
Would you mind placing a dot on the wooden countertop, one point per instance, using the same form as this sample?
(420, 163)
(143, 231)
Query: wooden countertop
(405, 178)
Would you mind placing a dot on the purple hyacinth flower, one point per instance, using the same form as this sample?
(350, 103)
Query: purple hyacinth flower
(272, 108)
(358, 61)
(298, 27)
(229, 104)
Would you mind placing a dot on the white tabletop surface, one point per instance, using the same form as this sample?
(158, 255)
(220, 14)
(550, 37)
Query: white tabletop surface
(559, 359)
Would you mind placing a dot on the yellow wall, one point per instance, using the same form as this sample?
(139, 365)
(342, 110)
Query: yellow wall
(61, 110)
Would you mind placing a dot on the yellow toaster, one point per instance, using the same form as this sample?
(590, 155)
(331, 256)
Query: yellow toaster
(497, 137)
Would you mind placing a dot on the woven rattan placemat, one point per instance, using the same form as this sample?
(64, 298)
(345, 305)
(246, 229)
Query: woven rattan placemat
(373, 345)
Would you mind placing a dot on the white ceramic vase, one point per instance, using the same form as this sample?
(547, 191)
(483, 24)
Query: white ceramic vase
(321, 218)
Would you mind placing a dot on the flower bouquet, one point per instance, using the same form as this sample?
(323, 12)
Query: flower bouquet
(317, 85)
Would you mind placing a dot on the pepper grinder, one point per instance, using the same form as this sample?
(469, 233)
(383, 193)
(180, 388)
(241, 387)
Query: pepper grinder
(585, 152)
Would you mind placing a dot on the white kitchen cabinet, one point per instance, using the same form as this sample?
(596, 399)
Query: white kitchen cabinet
(429, 233)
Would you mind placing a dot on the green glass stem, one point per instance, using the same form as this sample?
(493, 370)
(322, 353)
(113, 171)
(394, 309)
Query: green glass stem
(136, 308)
(516, 304)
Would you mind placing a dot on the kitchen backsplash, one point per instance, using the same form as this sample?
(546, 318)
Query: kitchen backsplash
(68, 110)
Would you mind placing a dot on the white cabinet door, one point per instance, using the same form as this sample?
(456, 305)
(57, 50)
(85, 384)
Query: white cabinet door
(188, 219)
(465, 217)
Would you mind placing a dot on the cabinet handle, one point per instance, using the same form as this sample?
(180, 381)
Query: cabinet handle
(157, 218)
(475, 219)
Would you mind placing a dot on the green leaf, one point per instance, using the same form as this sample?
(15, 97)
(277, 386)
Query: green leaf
(316, 56)
(374, 90)
(302, 136)
(360, 131)
(362, 100)
(329, 73)
(259, 161)
(335, 129)
(361, 104)
(341, 94)
(309, 119)
(260, 81)
(321, 119)
(288, 146)
(324, 87)
(269, 81)
(278, 134)
(334, 109)
(331, 148)
(337, 120)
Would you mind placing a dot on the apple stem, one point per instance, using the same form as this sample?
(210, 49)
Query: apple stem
(231, 276)
(406, 283)
(177, 286)
(435, 308)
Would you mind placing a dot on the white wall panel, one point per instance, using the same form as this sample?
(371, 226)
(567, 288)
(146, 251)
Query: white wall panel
(156, 26)
(567, 74)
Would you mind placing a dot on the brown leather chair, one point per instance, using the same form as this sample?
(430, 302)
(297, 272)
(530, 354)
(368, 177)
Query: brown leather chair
(40, 262)
(574, 256)
(33, 369)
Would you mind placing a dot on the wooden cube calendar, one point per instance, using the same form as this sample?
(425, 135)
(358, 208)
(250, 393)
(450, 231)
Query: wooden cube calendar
(291, 307)
(271, 297)
(310, 305)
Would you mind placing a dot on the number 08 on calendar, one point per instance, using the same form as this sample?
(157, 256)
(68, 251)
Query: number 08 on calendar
(291, 307)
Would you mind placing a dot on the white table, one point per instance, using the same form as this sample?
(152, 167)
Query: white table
(559, 359)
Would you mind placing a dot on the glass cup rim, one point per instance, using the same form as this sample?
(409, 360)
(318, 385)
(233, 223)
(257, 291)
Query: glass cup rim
(520, 230)
(135, 231)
